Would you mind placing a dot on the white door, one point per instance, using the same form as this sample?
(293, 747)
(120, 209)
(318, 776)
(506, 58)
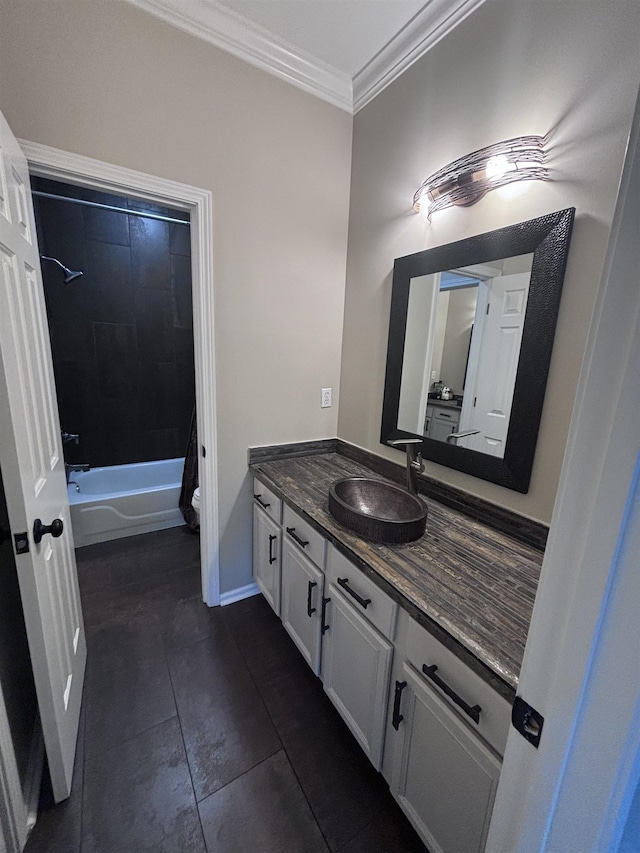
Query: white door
(33, 470)
(487, 404)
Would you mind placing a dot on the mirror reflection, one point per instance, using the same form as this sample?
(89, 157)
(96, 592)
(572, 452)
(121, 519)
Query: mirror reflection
(446, 353)
(462, 345)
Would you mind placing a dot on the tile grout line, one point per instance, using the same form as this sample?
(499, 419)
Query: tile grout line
(284, 748)
(240, 775)
(184, 744)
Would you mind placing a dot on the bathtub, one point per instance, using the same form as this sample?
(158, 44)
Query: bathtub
(124, 500)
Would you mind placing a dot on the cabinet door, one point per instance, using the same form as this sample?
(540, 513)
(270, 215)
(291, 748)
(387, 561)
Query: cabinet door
(444, 776)
(439, 430)
(301, 597)
(267, 537)
(356, 662)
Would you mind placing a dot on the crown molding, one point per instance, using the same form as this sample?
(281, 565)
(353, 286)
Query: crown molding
(254, 44)
(431, 24)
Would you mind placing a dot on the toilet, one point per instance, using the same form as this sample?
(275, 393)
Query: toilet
(195, 502)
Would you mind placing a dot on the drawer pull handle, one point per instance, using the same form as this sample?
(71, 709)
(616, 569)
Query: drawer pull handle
(292, 533)
(310, 610)
(397, 716)
(344, 583)
(261, 502)
(472, 711)
(272, 539)
(324, 627)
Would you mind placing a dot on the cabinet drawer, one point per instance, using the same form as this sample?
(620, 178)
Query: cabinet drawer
(265, 498)
(311, 543)
(358, 588)
(495, 712)
(450, 415)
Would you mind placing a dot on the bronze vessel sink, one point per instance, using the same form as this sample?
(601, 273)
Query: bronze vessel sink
(377, 510)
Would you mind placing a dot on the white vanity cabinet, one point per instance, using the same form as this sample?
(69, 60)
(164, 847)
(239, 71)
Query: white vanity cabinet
(302, 587)
(445, 738)
(267, 543)
(356, 652)
(434, 727)
(441, 421)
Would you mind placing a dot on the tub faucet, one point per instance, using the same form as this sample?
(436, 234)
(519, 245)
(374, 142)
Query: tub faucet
(415, 465)
(71, 469)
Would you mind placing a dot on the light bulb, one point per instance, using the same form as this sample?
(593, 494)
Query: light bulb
(497, 166)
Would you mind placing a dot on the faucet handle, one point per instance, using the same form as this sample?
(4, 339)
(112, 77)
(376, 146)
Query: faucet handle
(400, 442)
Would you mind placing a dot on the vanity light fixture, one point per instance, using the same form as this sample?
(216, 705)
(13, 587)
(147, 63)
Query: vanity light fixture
(466, 180)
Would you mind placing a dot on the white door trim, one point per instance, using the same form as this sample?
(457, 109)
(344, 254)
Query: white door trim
(54, 163)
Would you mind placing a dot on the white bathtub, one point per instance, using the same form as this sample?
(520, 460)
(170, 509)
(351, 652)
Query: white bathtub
(124, 500)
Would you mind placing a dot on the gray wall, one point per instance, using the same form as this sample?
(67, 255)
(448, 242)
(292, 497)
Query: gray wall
(105, 80)
(568, 69)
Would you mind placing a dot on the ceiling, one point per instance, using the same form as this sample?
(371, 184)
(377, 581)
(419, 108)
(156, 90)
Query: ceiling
(343, 51)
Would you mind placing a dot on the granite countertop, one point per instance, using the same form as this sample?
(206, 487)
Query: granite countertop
(472, 586)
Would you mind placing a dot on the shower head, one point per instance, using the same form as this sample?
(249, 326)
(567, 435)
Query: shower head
(69, 275)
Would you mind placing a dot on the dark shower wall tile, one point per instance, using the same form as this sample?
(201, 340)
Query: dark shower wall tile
(148, 206)
(120, 447)
(154, 321)
(108, 282)
(185, 379)
(157, 393)
(150, 253)
(70, 325)
(183, 345)
(117, 355)
(128, 318)
(121, 413)
(78, 394)
(184, 411)
(180, 239)
(181, 290)
(61, 234)
(106, 226)
(73, 191)
(161, 444)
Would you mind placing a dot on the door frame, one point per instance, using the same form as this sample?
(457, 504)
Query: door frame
(580, 663)
(47, 162)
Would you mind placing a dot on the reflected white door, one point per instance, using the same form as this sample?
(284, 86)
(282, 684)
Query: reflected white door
(34, 475)
(487, 405)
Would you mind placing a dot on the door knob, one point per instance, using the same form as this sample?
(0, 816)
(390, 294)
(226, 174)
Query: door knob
(39, 529)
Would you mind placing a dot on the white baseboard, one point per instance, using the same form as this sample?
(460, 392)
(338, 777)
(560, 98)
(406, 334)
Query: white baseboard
(238, 594)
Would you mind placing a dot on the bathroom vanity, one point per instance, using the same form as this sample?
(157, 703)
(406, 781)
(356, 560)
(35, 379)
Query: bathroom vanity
(418, 645)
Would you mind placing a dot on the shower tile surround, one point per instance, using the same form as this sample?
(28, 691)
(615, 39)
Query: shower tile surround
(470, 584)
(122, 335)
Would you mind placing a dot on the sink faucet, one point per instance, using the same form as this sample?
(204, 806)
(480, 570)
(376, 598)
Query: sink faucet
(415, 465)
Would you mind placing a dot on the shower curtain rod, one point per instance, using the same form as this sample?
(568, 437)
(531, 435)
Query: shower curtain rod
(111, 207)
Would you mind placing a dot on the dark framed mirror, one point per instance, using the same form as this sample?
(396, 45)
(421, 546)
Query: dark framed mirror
(470, 338)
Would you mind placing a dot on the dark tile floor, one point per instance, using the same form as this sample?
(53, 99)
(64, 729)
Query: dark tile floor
(203, 729)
